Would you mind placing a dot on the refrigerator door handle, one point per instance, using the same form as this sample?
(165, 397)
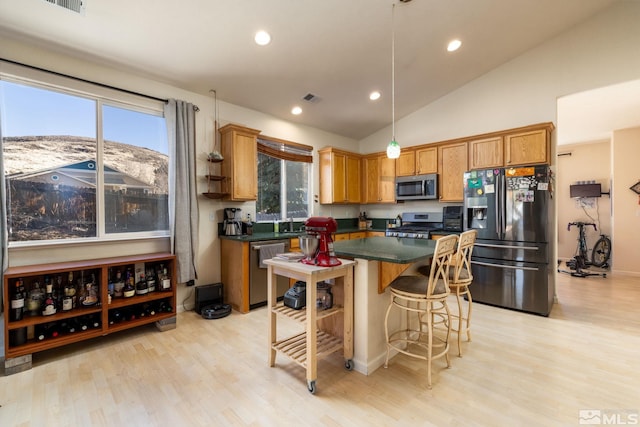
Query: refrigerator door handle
(503, 206)
(509, 267)
(497, 209)
(526, 248)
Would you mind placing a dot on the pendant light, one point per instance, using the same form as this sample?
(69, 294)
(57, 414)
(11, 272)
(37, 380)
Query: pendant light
(393, 149)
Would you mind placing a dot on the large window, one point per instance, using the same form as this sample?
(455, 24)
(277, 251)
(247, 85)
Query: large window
(283, 180)
(81, 167)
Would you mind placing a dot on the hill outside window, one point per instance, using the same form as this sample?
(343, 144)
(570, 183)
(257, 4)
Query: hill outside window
(80, 166)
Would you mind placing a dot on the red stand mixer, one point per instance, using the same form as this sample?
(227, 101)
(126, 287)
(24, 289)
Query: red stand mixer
(323, 228)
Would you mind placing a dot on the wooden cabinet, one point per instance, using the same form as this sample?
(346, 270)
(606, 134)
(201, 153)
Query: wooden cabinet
(340, 176)
(406, 163)
(426, 160)
(486, 153)
(530, 145)
(417, 161)
(240, 166)
(379, 179)
(357, 235)
(375, 234)
(35, 332)
(527, 148)
(234, 272)
(452, 163)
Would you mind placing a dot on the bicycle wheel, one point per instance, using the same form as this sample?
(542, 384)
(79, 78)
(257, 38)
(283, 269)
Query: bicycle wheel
(601, 252)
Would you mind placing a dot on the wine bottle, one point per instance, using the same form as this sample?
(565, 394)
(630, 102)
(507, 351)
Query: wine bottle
(142, 287)
(115, 316)
(83, 324)
(69, 292)
(164, 279)
(94, 321)
(110, 287)
(118, 285)
(129, 289)
(17, 301)
(49, 304)
(70, 289)
(47, 330)
(151, 280)
(34, 301)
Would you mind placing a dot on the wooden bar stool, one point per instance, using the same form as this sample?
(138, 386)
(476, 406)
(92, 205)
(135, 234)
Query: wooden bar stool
(426, 297)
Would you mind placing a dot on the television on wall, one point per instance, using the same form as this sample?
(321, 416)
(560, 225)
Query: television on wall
(585, 190)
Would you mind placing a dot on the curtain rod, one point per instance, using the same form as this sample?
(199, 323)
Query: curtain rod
(130, 92)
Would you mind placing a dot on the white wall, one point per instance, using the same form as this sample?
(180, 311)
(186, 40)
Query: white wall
(600, 52)
(583, 162)
(626, 204)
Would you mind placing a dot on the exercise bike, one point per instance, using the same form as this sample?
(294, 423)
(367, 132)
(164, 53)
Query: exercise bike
(599, 255)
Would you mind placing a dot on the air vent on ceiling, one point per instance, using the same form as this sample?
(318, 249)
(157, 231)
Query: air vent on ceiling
(77, 6)
(310, 97)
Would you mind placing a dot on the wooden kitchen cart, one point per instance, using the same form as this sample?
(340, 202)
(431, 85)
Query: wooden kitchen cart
(321, 336)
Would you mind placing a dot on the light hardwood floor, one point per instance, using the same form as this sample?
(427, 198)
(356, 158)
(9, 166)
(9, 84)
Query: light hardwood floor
(519, 370)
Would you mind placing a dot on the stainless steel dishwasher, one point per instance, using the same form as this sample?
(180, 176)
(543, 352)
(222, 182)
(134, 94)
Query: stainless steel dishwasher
(258, 275)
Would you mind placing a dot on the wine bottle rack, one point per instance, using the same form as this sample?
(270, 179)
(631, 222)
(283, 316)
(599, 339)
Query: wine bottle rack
(25, 336)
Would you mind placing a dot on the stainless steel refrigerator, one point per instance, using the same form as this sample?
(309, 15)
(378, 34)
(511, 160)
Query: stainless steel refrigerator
(512, 209)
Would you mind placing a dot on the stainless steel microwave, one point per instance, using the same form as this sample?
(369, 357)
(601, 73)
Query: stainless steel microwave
(418, 187)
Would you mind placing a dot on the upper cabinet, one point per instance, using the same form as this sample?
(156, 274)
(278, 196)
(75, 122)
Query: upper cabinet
(516, 147)
(452, 164)
(240, 166)
(379, 176)
(340, 176)
(426, 160)
(486, 153)
(406, 163)
(526, 148)
(417, 161)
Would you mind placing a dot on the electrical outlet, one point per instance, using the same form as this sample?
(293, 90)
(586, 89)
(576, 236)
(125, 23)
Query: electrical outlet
(191, 283)
(212, 216)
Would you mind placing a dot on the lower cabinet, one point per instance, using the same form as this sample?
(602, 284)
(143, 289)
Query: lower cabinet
(52, 305)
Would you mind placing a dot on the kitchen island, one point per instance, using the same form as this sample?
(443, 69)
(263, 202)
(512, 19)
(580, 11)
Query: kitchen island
(378, 261)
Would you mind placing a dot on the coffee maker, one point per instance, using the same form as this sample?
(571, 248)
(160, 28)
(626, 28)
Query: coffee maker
(323, 228)
(232, 225)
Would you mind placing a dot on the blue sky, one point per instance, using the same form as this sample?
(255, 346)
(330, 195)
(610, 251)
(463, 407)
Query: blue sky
(28, 111)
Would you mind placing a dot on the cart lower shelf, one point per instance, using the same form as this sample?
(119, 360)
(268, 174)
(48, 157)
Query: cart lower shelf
(296, 346)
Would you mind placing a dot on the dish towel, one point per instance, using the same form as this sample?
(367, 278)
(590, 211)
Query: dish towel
(269, 251)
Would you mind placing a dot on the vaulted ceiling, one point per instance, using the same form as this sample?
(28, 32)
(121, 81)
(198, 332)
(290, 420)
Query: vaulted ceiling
(338, 51)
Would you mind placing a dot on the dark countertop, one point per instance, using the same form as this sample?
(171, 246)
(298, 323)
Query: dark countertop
(389, 249)
(257, 237)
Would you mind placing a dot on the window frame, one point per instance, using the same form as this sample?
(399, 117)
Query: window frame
(300, 153)
(102, 96)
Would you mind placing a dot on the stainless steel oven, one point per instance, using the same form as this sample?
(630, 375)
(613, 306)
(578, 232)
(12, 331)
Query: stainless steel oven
(258, 273)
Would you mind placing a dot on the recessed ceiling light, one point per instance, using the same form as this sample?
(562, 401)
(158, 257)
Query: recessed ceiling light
(262, 38)
(454, 45)
(374, 95)
(296, 110)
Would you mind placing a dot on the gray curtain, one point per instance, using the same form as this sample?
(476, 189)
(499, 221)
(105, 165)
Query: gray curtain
(4, 259)
(183, 206)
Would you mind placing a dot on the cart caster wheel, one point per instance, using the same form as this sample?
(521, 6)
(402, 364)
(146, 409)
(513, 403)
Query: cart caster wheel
(604, 275)
(348, 365)
(311, 386)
